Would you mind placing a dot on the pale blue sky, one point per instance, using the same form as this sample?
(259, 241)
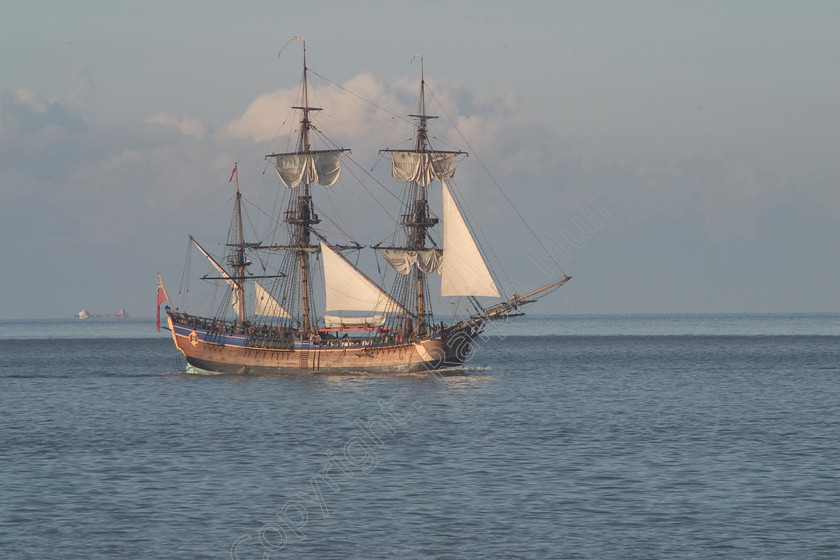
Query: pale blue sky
(707, 131)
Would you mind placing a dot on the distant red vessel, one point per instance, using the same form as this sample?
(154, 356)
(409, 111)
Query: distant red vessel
(83, 314)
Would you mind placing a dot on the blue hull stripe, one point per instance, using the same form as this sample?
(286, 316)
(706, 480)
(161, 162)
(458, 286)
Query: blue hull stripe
(216, 337)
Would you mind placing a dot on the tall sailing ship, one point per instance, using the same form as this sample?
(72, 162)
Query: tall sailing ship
(366, 325)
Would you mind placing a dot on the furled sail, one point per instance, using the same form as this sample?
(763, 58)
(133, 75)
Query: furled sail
(267, 306)
(402, 260)
(322, 167)
(337, 321)
(422, 167)
(347, 289)
(463, 271)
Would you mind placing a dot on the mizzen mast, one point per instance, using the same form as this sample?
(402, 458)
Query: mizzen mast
(237, 258)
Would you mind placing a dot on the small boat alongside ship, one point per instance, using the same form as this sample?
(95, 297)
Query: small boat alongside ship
(317, 310)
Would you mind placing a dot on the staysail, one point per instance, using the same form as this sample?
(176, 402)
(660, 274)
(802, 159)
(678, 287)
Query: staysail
(266, 305)
(347, 289)
(322, 167)
(236, 289)
(463, 271)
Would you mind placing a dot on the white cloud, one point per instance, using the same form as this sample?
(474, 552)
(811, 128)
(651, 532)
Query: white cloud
(260, 122)
(26, 96)
(347, 115)
(142, 186)
(187, 126)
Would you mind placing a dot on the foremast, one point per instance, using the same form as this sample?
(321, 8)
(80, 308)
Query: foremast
(417, 219)
(463, 269)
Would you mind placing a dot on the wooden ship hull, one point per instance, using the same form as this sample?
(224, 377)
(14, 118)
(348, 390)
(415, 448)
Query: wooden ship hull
(212, 351)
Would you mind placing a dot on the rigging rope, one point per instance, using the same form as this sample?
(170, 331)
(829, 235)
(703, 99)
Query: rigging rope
(498, 187)
(359, 97)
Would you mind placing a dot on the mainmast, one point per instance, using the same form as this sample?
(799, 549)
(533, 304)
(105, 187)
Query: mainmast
(303, 216)
(302, 168)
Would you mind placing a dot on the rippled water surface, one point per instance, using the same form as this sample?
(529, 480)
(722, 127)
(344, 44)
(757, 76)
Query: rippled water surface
(679, 436)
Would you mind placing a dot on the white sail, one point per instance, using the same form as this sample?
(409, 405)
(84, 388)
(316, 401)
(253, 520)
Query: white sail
(403, 260)
(347, 289)
(236, 290)
(463, 271)
(321, 167)
(422, 167)
(267, 306)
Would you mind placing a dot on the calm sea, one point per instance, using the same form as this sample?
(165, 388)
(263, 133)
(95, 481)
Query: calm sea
(654, 436)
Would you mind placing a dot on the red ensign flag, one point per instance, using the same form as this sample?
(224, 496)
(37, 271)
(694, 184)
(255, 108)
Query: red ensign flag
(161, 297)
